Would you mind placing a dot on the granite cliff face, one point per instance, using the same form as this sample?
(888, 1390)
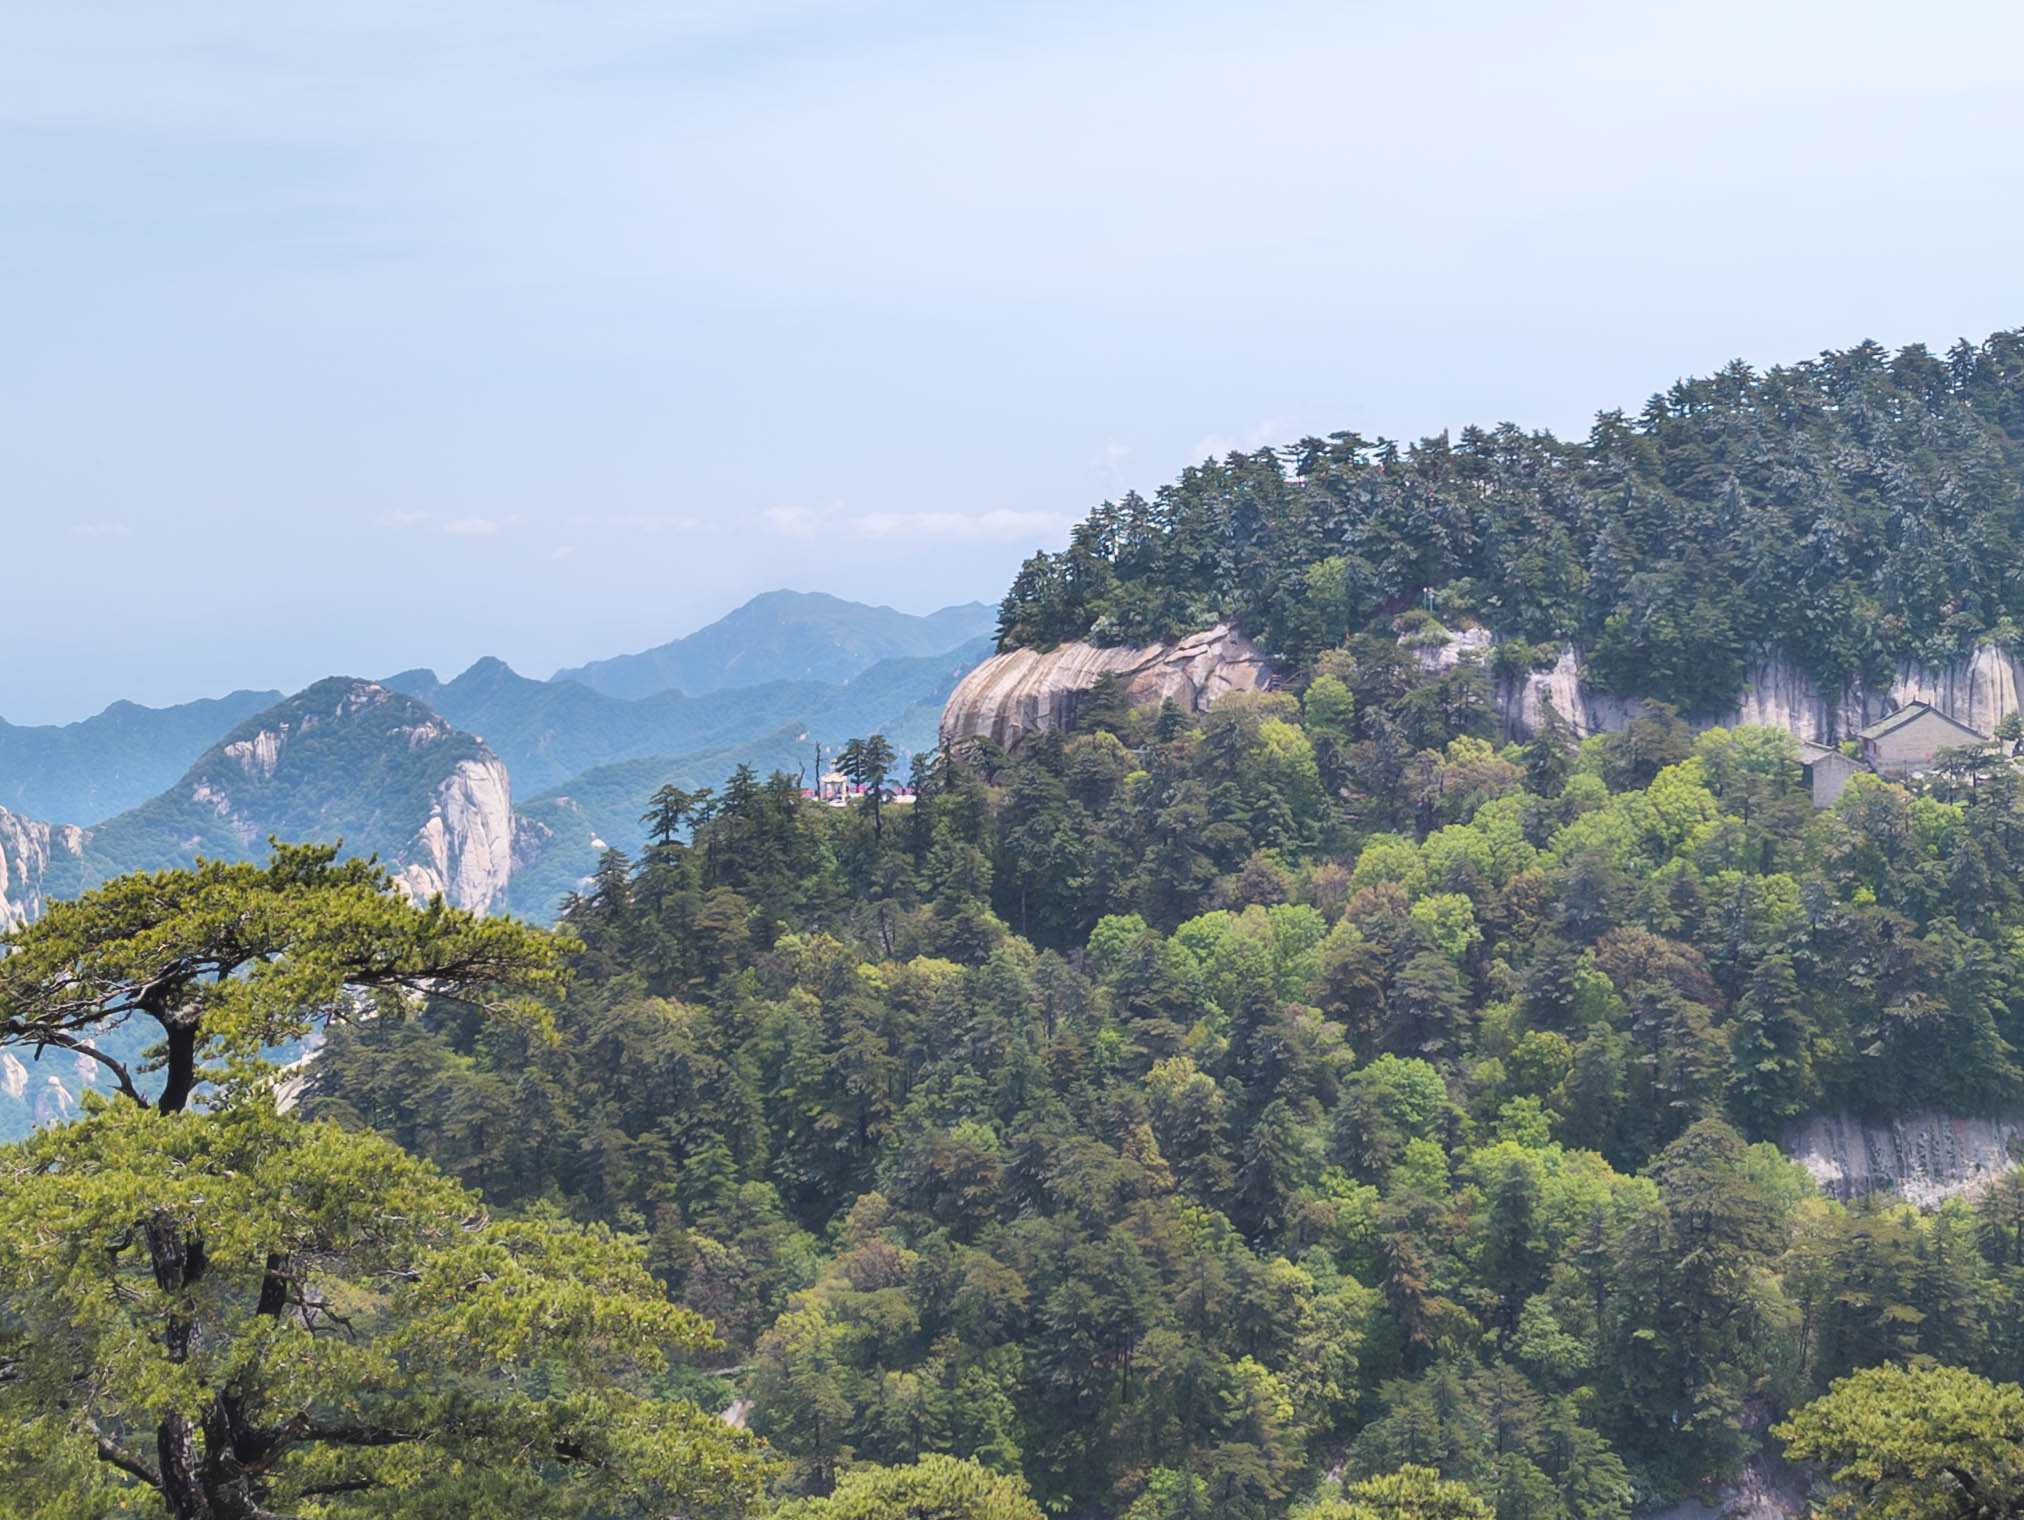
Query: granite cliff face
(464, 849)
(1977, 691)
(34, 856)
(1013, 694)
(1024, 691)
(1924, 1158)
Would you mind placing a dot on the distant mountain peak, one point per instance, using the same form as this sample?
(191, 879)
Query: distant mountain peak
(784, 636)
(345, 759)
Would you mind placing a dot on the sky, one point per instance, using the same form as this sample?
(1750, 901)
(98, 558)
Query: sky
(349, 338)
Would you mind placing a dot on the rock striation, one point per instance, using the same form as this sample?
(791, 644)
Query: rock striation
(28, 850)
(1977, 690)
(1923, 1157)
(464, 849)
(1024, 691)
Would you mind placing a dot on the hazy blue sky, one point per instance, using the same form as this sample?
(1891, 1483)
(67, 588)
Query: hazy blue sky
(353, 337)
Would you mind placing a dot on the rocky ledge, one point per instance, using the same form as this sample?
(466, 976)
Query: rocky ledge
(1024, 691)
(1925, 1158)
(1976, 690)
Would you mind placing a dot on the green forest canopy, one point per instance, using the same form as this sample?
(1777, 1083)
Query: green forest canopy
(1185, 1105)
(1849, 511)
(1307, 1109)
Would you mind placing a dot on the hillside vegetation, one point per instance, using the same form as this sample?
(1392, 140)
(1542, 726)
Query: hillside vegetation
(1187, 1108)
(1849, 511)
(1308, 1109)
(341, 759)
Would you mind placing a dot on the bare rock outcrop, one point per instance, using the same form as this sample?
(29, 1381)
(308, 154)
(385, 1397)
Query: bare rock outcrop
(1024, 691)
(27, 848)
(464, 849)
(1977, 690)
(1923, 1157)
(1522, 703)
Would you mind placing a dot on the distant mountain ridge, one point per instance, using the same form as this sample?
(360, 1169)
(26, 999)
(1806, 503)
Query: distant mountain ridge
(425, 773)
(343, 759)
(784, 636)
(89, 770)
(548, 731)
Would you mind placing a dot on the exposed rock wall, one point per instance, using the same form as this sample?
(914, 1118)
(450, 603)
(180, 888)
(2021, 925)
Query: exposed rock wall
(1923, 1157)
(1521, 704)
(1017, 693)
(26, 846)
(1977, 691)
(31, 1097)
(464, 849)
(1024, 691)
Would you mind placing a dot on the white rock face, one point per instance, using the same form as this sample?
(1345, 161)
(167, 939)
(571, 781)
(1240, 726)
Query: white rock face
(1976, 691)
(25, 849)
(465, 848)
(259, 755)
(1014, 694)
(1023, 691)
(1925, 1157)
(1522, 703)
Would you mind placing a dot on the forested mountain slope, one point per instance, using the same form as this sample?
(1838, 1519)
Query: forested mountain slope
(783, 636)
(1190, 1106)
(1319, 1106)
(343, 759)
(1848, 512)
(86, 771)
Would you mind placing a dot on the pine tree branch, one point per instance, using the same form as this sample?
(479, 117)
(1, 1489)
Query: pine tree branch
(64, 1041)
(110, 1453)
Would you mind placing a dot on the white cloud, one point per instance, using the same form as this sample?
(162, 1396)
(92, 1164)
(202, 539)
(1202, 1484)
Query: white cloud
(100, 530)
(560, 551)
(399, 519)
(470, 526)
(794, 522)
(994, 525)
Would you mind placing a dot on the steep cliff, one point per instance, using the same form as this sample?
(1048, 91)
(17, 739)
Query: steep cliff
(464, 849)
(37, 861)
(1023, 691)
(1923, 1157)
(1977, 690)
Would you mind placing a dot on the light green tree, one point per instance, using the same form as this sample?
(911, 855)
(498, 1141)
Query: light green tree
(934, 1488)
(215, 1311)
(1903, 1443)
(1411, 1493)
(234, 1315)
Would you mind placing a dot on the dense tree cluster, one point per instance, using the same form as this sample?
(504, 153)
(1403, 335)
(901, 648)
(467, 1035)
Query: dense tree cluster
(1851, 511)
(1189, 1107)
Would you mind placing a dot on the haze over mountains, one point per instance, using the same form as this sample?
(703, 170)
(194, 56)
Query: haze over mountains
(784, 636)
(77, 772)
(493, 788)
